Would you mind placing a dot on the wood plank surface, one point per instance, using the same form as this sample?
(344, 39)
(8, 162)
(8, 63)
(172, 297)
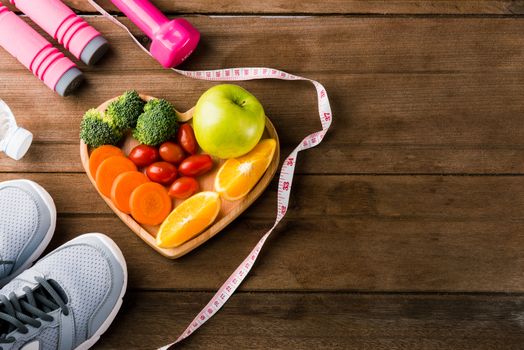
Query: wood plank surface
(394, 197)
(311, 7)
(336, 254)
(380, 250)
(324, 321)
(424, 233)
(415, 116)
(424, 127)
(362, 45)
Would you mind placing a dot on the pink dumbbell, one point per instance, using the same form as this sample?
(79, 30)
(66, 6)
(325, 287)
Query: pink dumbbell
(71, 31)
(37, 54)
(172, 41)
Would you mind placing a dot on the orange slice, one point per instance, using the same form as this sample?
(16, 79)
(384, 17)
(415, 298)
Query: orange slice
(188, 219)
(238, 176)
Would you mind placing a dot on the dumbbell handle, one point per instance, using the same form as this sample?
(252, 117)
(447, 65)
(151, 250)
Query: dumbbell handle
(144, 14)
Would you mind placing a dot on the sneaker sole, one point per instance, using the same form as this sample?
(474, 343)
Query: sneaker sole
(48, 200)
(117, 253)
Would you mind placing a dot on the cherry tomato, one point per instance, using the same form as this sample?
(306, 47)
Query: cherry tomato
(183, 187)
(196, 165)
(171, 152)
(162, 172)
(186, 138)
(143, 155)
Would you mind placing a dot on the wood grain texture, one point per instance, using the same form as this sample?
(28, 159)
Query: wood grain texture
(336, 254)
(411, 94)
(323, 321)
(362, 45)
(407, 124)
(366, 233)
(406, 101)
(395, 197)
(325, 7)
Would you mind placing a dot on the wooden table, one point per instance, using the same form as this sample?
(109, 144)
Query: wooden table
(406, 229)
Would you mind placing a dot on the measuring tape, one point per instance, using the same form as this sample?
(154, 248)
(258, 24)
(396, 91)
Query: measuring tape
(286, 172)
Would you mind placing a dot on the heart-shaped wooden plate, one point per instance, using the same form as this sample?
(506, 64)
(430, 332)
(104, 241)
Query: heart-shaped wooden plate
(230, 209)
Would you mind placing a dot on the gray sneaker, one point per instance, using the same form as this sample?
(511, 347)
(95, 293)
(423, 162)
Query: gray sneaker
(27, 223)
(67, 300)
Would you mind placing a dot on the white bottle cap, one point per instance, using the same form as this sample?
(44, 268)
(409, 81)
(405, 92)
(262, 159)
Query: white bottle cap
(18, 142)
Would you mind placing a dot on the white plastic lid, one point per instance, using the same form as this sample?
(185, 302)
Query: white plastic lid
(18, 142)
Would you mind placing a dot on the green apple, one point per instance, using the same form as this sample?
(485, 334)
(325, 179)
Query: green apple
(228, 121)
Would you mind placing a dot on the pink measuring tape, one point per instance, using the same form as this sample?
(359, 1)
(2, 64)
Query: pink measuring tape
(286, 172)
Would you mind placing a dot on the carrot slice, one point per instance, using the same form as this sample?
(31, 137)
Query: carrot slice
(150, 203)
(100, 154)
(123, 186)
(109, 169)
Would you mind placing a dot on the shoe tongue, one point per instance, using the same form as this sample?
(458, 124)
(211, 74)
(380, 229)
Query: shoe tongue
(39, 290)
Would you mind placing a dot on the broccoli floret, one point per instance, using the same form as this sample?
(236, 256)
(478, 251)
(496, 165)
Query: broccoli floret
(157, 124)
(157, 103)
(126, 109)
(97, 130)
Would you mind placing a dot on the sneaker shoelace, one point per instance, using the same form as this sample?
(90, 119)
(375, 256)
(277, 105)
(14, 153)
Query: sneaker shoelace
(16, 312)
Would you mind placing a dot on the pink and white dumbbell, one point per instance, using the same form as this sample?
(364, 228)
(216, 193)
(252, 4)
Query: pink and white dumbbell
(71, 31)
(37, 54)
(172, 40)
